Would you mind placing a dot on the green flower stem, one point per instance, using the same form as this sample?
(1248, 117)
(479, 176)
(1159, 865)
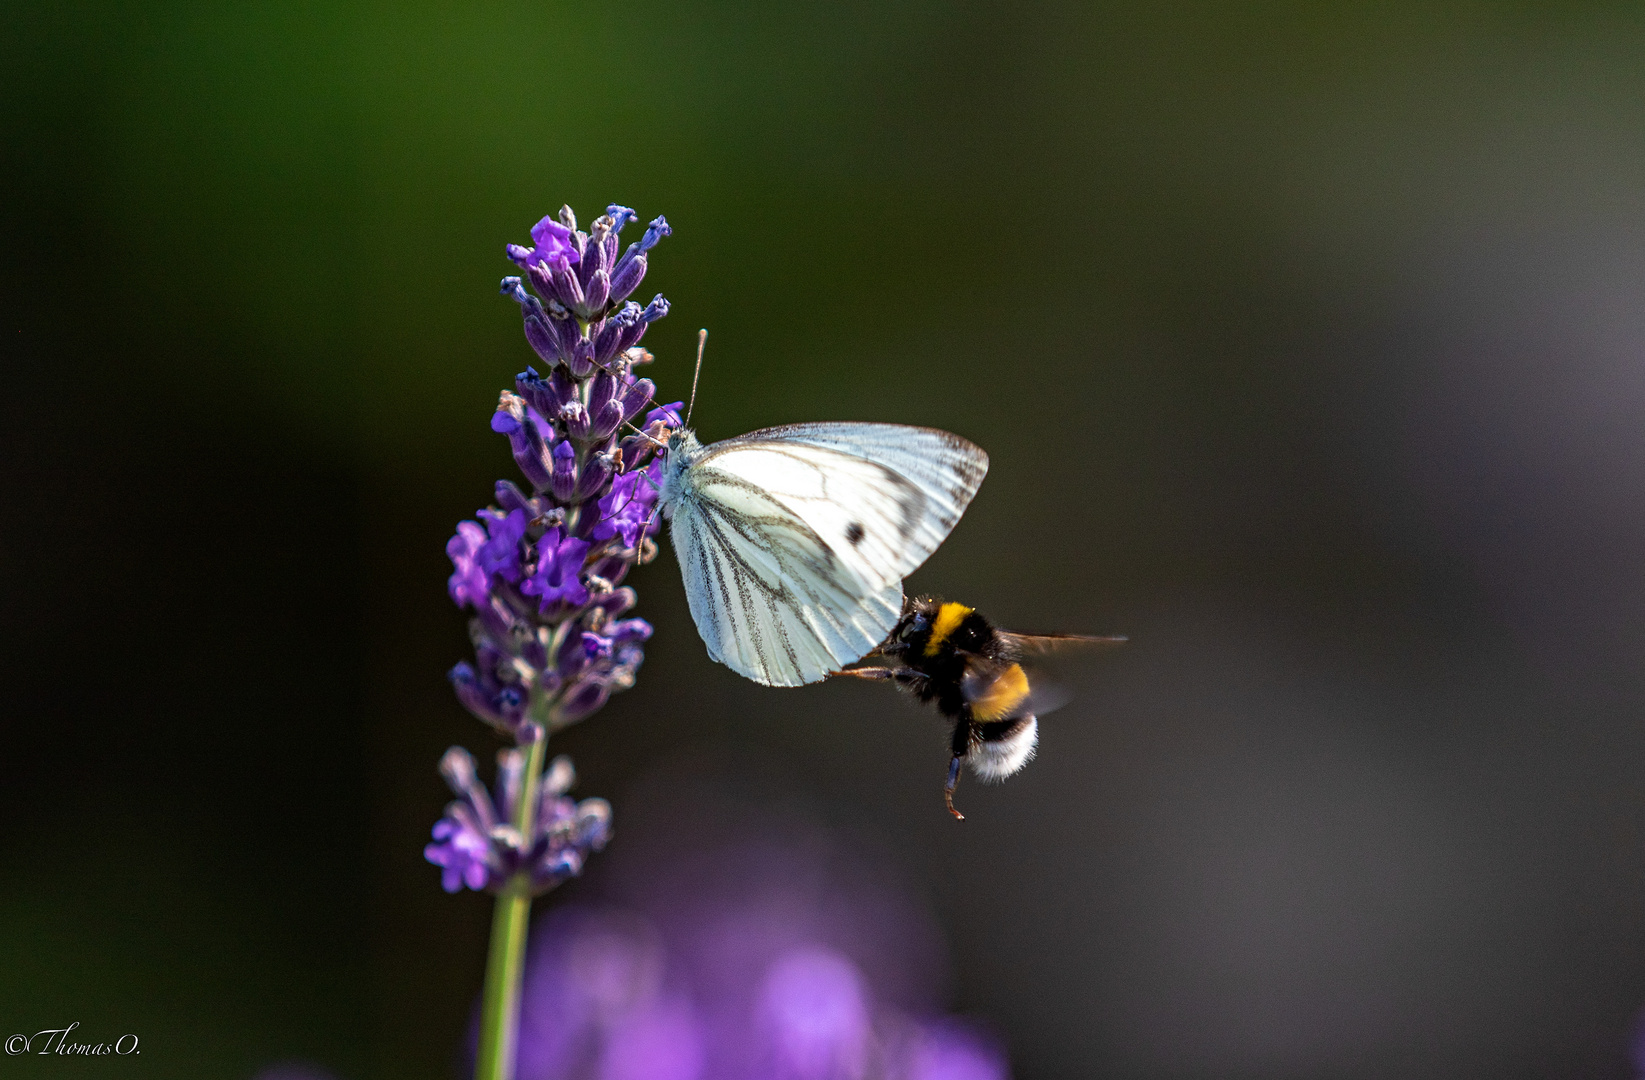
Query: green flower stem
(505, 966)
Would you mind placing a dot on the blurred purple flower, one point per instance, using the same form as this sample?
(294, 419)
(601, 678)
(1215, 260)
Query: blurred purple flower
(763, 955)
(813, 1014)
(946, 1050)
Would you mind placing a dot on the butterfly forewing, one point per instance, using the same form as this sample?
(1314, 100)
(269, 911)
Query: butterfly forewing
(944, 469)
(865, 515)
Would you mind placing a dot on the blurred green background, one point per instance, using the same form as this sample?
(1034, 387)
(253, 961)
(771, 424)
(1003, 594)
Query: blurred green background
(1307, 344)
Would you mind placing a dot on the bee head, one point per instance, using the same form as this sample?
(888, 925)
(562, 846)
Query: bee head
(909, 635)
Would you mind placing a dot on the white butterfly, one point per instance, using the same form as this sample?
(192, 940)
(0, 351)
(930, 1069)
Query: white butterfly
(794, 541)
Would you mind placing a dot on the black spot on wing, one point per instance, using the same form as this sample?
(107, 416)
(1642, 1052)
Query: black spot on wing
(854, 533)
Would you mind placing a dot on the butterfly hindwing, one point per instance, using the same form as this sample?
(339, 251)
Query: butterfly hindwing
(764, 598)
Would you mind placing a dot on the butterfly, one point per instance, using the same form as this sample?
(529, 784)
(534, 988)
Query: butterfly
(794, 541)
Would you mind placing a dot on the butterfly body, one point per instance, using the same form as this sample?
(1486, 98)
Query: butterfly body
(793, 541)
(951, 656)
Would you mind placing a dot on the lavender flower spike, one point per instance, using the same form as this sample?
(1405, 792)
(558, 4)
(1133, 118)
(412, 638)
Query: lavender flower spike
(540, 573)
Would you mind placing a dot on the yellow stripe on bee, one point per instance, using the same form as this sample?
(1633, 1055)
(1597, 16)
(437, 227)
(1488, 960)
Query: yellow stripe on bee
(949, 617)
(1003, 696)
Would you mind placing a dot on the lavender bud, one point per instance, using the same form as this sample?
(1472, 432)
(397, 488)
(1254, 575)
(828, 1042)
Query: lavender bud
(585, 700)
(600, 391)
(563, 482)
(637, 397)
(654, 232)
(626, 277)
(575, 418)
(656, 309)
(606, 421)
(596, 248)
(510, 497)
(606, 341)
(512, 289)
(596, 471)
(599, 289)
(620, 217)
(541, 339)
(581, 360)
(542, 279)
(558, 777)
(568, 218)
(510, 773)
(473, 697)
(636, 450)
(457, 766)
(566, 333)
(567, 289)
(530, 454)
(561, 388)
(537, 391)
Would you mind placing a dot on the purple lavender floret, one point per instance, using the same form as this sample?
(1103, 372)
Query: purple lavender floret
(630, 506)
(579, 276)
(477, 845)
(541, 569)
(557, 580)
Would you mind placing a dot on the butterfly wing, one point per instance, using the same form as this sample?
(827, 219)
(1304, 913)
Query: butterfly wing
(882, 497)
(794, 541)
(764, 597)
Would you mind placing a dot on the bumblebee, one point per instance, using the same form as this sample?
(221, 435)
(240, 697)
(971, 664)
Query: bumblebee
(949, 654)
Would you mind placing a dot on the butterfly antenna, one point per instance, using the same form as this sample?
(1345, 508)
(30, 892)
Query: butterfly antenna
(702, 341)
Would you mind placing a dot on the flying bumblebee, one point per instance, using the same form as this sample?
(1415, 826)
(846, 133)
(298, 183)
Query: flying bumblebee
(950, 654)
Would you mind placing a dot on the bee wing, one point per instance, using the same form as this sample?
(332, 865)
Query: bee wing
(996, 689)
(1043, 644)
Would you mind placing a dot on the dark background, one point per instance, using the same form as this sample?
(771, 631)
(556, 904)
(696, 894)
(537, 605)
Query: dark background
(1307, 344)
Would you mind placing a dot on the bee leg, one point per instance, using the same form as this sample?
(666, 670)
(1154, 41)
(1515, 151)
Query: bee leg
(948, 789)
(963, 734)
(875, 673)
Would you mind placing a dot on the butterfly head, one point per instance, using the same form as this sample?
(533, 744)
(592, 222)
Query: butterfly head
(680, 451)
